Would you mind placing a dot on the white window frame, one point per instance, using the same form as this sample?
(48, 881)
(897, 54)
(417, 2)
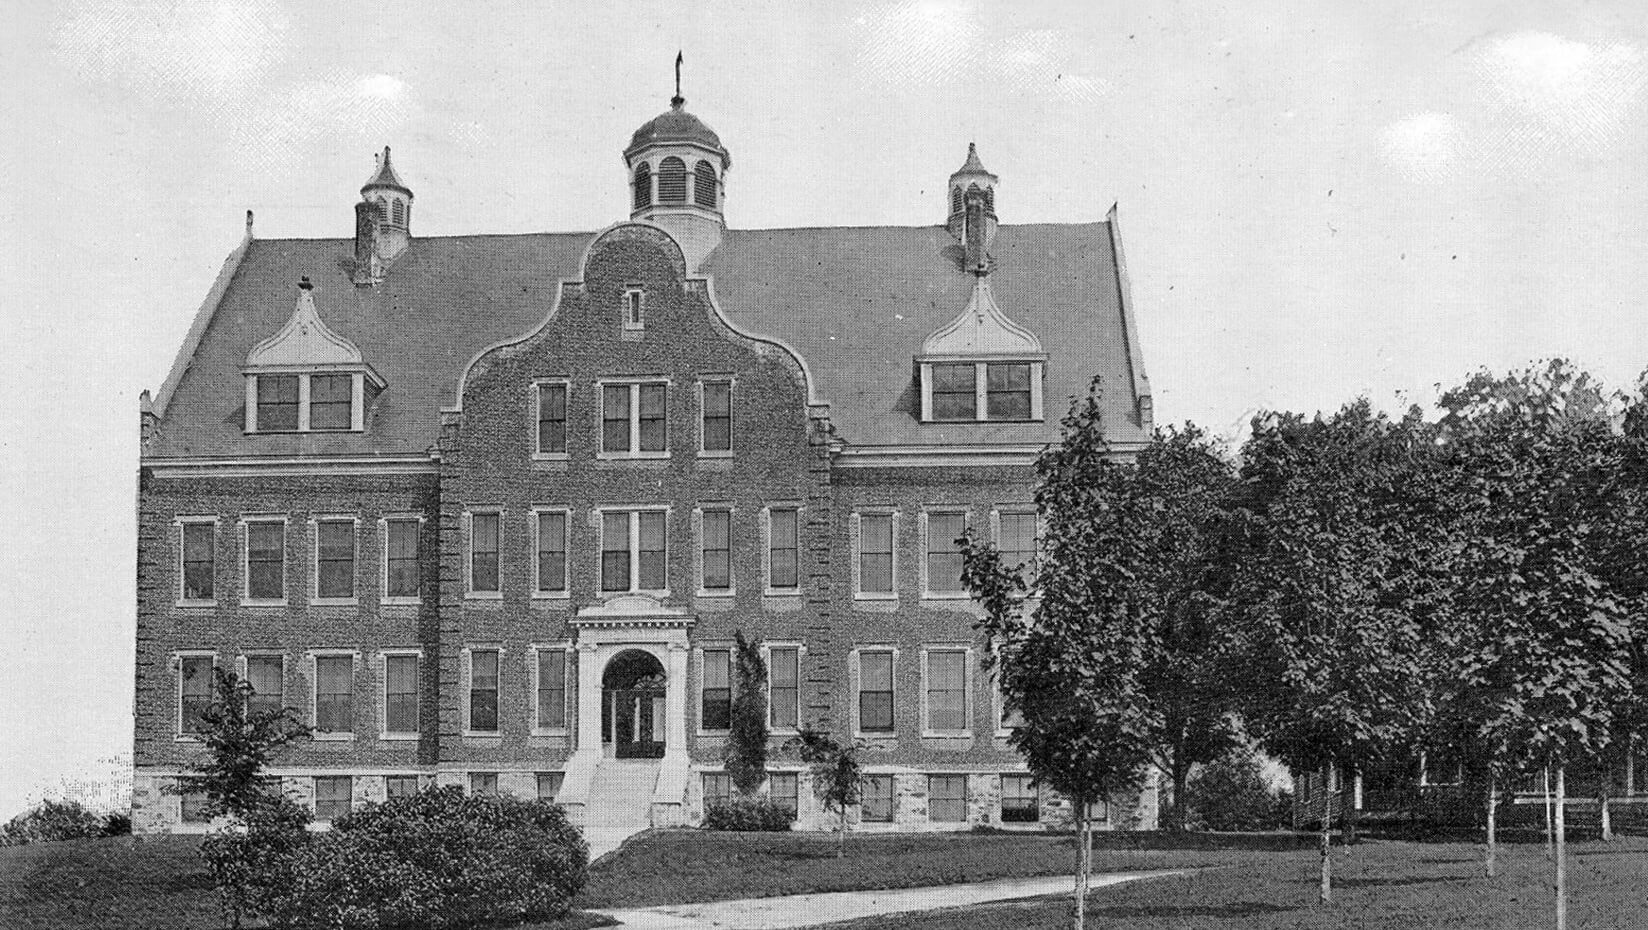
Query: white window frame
(242, 665)
(634, 451)
(568, 675)
(698, 548)
(314, 561)
(927, 592)
(800, 680)
(565, 594)
(180, 735)
(766, 549)
(981, 393)
(1017, 510)
(384, 597)
(966, 796)
(634, 512)
(856, 679)
(731, 649)
(466, 678)
(470, 594)
(357, 400)
(731, 383)
(181, 522)
(635, 308)
(966, 650)
(538, 454)
(384, 655)
(311, 658)
(246, 598)
(857, 528)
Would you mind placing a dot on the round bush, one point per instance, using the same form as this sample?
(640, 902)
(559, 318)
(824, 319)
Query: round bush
(748, 814)
(1232, 794)
(52, 820)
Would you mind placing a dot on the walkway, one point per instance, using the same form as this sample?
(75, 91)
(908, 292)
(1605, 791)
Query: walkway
(805, 910)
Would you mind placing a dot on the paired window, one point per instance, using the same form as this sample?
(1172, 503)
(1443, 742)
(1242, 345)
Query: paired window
(715, 426)
(267, 676)
(552, 691)
(947, 798)
(633, 419)
(943, 554)
(401, 571)
(877, 799)
(783, 788)
(400, 786)
(552, 419)
(199, 559)
(946, 690)
(962, 391)
(1019, 802)
(875, 691)
(335, 559)
(783, 549)
(335, 693)
(549, 785)
(483, 552)
(784, 683)
(633, 555)
(716, 540)
(483, 691)
(266, 560)
(305, 402)
(552, 552)
(194, 692)
(332, 796)
(483, 784)
(875, 553)
(716, 703)
(400, 694)
(717, 788)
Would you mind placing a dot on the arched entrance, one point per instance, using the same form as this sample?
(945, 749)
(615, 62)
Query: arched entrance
(632, 705)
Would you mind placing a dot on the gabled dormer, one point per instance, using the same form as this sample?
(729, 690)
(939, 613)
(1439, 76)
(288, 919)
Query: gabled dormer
(307, 378)
(981, 366)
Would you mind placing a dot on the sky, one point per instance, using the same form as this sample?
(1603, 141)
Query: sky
(1317, 200)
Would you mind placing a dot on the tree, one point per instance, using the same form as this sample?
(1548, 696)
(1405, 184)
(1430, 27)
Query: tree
(1340, 571)
(837, 779)
(746, 749)
(239, 745)
(1071, 661)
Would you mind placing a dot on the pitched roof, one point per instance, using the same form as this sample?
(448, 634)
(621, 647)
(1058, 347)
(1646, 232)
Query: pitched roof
(855, 303)
(385, 176)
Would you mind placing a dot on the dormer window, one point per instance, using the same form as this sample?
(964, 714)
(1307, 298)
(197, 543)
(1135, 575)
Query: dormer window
(331, 401)
(277, 402)
(981, 366)
(307, 378)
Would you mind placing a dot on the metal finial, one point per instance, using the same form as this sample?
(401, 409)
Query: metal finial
(677, 100)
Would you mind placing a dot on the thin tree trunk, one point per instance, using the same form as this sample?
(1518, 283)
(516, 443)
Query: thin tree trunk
(1561, 849)
(841, 850)
(1325, 838)
(1347, 808)
(1082, 852)
(1630, 765)
(1493, 849)
(1181, 779)
(1607, 820)
(1545, 778)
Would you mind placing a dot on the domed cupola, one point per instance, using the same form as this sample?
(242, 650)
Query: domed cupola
(392, 199)
(677, 177)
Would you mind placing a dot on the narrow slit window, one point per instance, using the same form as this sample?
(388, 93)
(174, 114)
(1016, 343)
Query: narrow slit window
(635, 310)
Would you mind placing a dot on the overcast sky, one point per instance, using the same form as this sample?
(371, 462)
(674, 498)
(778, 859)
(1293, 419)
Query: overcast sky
(1317, 200)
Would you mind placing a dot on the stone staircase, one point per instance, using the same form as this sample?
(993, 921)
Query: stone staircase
(620, 803)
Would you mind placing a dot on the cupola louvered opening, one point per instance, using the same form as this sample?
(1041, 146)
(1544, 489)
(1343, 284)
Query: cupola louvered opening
(400, 213)
(955, 200)
(672, 180)
(990, 199)
(704, 184)
(643, 186)
(382, 206)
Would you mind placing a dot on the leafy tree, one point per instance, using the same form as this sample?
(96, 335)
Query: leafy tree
(239, 745)
(837, 778)
(1233, 794)
(746, 750)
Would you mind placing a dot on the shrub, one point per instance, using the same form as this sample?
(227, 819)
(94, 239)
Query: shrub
(1232, 794)
(118, 823)
(747, 814)
(252, 865)
(51, 820)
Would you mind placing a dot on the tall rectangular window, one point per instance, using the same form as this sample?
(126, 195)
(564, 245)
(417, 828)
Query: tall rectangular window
(947, 798)
(1019, 803)
(267, 676)
(947, 690)
(875, 553)
(335, 694)
(331, 401)
(634, 417)
(1018, 539)
(277, 402)
(483, 690)
(783, 547)
(1007, 392)
(955, 392)
(335, 559)
(875, 692)
(552, 551)
(784, 677)
(483, 552)
(615, 568)
(877, 799)
(199, 560)
(943, 553)
(717, 692)
(615, 418)
(784, 790)
(400, 694)
(552, 688)
(332, 796)
(633, 550)
(717, 551)
(717, 422)
(266, 560)
(652, 425)
(401, 559)
(195, 693)
(400, 786)
(552, 408)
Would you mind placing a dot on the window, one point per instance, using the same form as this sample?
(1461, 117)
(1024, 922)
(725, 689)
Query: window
(277, 402)
(955, 200)
(194, 807)
(400, 786)
(1011, 718)
(552, 401)
(947, 690)
(266, 560)
(717, 788)
(947, 798)
(1098, 811)
(549, 785)
(1007, 392)
(784, 680)
(400, 212)
(483, 553)
(784, 790)
(383, 208)
(716, 429)
(400, 694)
(331, 401)
(552, 552)
(332, 796)
(483, 784)
(335, 559)
(195, 691)
(635, 310)
(552, 689)
(672, 180)
(483, 691)
(1017, 542)
(703, 189)
(998, 391)
(643, 186)
(633, 551)
(877, 799)
(943, 554)
(401, 573)
(199, 559)
(955, 393)
(783, 546)
(633, 419)
(335, 693)
(717, 692)
(875, 692)
(1019, 803)
(267, 676)
(717, 550)
(875, 553)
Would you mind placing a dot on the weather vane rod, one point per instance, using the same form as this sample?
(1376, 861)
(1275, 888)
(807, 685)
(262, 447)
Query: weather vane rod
(678, 99)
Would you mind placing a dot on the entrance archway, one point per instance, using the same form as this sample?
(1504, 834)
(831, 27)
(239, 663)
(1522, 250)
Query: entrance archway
(632, 705)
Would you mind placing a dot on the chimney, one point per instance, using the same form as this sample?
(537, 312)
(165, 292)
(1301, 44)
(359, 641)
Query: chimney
(368, 267)
(977, 233)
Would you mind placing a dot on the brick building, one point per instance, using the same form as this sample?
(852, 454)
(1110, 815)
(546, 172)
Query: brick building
(489, 510)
